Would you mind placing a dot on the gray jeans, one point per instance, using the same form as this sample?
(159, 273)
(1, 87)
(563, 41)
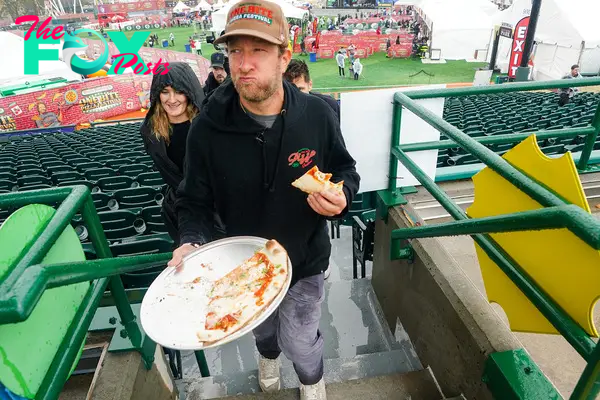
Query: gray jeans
(294, 329)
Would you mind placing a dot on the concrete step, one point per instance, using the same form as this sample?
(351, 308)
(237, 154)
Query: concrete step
(416, 385)
(336, 370)
(352, 324)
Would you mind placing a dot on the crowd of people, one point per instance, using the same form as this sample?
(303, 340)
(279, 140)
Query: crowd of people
(223, 152)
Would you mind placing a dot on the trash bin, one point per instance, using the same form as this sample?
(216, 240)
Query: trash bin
(188, 48)
(312, 57)
(501, 79)
(165, 43)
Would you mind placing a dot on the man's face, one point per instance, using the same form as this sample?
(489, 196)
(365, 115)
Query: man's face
(575, 71)
(302, 84)
(219, 74)
(256, 67)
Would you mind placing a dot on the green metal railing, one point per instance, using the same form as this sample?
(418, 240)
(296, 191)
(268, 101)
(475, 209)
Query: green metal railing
(26, 280)
(557, 213)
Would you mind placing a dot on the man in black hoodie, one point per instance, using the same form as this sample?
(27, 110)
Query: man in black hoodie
(255, 136)
(218, 74)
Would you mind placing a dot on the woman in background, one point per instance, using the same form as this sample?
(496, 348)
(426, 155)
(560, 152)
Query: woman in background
(175, 99)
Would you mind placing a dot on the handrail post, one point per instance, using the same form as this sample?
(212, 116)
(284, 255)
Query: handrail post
(590, 140)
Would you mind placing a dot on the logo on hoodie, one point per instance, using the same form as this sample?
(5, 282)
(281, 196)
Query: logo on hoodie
(302, 158)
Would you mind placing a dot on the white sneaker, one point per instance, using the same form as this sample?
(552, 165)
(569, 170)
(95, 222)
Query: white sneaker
(313, 392)
(327, 272)
(268, 374)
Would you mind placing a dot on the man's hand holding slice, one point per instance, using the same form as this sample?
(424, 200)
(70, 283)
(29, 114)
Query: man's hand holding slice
(324, 197)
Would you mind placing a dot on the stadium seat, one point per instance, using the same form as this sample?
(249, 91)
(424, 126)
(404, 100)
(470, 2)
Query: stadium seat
(112, 183)
(132, 170)
(121, 224)
(154, 220)
(150, 179)
(95, 174)
(138, 197)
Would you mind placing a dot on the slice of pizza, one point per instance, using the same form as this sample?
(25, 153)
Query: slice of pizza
(315, 181)
(240, 296)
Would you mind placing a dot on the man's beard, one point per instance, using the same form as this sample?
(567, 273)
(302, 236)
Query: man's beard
(257, 92)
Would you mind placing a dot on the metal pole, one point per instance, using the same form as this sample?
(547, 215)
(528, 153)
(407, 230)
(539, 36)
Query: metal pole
(533, 19)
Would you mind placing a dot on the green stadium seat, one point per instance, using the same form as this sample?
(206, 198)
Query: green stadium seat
(8, 185)
(98, 173)
(104, 202)
(29, 180)
(59, 169)
(112, 183)
(116, 163)
(138, 197)
(132, 170)
(142, 279)
(59, 177)
(121, 224)
(150, 179)
(154, 220)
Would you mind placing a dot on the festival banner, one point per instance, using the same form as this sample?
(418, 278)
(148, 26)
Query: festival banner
(87, 101)
(146, 5)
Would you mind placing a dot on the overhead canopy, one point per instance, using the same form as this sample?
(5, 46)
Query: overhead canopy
(203, 6)
(567, 33)
(13, 73)
(459, 28)
(181, 7)
(407, 2)
(219, 18)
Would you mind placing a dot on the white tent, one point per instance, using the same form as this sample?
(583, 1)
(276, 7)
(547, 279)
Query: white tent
(219, 18)
(407, 2)
(202, 6)
(567, 33)
(13, 73)
(459, 28)
(181, 7)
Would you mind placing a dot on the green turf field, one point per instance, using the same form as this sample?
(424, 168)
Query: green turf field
(378, 70)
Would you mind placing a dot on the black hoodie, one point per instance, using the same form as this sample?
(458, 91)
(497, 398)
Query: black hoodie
(246, 170)
(182, 78)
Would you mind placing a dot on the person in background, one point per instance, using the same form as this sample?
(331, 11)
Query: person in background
(357, 68)
(297, 73)
(175, 99)
(172, 38)
(340, 58)
(256, 134)
(218, 74)
(567, 94)
(198, 46)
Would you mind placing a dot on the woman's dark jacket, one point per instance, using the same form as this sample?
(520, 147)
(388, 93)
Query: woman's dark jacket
(182, 78)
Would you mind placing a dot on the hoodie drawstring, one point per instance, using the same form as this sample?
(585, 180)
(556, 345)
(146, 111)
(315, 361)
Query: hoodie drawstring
(278, 159)
(270, 186)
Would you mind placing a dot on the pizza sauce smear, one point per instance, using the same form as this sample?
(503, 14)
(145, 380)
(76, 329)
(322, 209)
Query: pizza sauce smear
(267, 277)
(268, 272)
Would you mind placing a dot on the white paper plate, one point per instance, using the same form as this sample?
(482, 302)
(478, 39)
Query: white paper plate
(174, 309)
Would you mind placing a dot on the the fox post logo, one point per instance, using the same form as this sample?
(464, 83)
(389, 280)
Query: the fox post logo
(127, 58)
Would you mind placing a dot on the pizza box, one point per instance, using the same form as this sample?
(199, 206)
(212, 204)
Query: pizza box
(175, 305)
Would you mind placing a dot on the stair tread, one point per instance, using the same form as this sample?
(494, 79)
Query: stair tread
(411, 385)
(336, 370)
(352, 324)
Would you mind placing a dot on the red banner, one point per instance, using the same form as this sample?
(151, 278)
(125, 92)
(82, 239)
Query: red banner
(88, 101)
(402, 50)
(518, 45)
(131, 7)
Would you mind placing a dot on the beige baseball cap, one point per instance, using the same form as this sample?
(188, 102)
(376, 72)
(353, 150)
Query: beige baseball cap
(258, 18)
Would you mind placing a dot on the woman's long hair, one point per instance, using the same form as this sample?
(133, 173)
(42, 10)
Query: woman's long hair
(160, 120)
